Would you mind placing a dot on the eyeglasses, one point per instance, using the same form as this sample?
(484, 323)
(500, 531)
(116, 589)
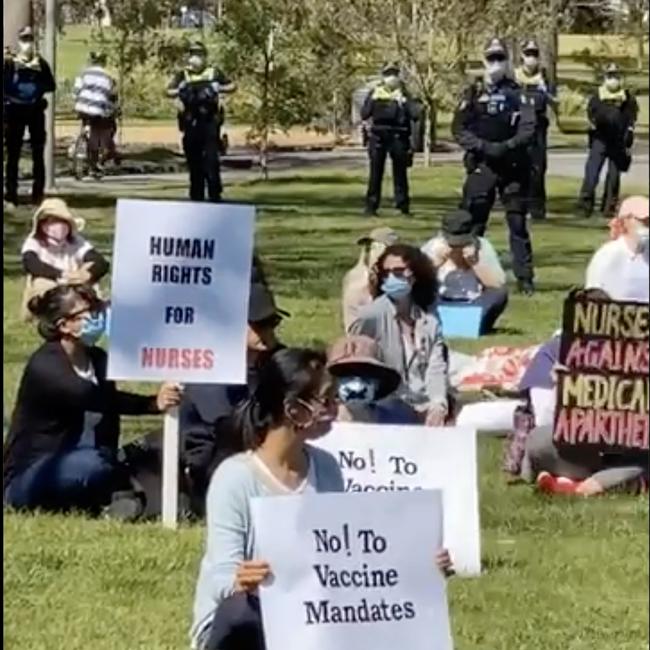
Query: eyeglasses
(397, 271)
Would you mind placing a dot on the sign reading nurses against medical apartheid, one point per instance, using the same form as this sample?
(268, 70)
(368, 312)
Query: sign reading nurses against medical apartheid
(603, 395)
(179, 295)
(359, 571)
(382, 458)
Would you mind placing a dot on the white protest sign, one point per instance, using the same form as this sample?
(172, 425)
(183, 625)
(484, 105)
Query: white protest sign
(179, 303)
(359, 573)
(179, 293)
(394, 458)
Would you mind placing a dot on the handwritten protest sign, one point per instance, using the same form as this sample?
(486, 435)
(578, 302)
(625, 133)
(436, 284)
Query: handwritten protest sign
(381, 458)
(181, 277)
(179, 303)
(603, 397)
(359, 573)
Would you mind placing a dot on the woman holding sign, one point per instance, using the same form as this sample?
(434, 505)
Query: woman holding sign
(403, 321)
(61, 450)
(292, 404)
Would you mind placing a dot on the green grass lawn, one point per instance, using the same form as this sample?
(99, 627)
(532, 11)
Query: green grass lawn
(559, 575)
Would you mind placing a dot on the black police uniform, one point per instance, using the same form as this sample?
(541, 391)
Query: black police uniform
(24, 85)
(391, 115)
(612, 116)
(494, 123)
(538, 91)
(200, 122)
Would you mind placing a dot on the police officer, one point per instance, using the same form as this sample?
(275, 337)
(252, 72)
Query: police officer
(494, 123)
(532, 78)
(388, 113)
(27, 79)
(612, 114)
(198, 87)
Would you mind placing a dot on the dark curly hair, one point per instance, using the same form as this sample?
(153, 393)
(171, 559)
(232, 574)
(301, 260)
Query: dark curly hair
(54, 305)
(425, 286)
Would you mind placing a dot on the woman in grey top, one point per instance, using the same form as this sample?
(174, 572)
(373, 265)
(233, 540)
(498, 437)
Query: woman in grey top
(403, 320)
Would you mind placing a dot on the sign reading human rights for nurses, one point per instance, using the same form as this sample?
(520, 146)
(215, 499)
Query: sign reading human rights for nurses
(180, 287)
(382, 458)
(360, 571)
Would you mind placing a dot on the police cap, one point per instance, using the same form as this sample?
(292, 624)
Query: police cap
(391, 67)
(198, 47)
(26, 34)
(612, 69)
(496, 47)
(530, 46)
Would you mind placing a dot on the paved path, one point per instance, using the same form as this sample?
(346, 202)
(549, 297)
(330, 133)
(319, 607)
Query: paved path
(561, 163)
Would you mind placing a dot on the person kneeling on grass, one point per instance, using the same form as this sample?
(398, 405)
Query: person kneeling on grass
(292, 404)
(468, 269)
(61, 450)
(365, 384)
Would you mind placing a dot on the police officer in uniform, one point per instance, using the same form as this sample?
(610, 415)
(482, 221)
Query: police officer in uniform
(612, 114)
(198, 87)
(532, 78)
(27, 79)
(494, 123)
(388, 113)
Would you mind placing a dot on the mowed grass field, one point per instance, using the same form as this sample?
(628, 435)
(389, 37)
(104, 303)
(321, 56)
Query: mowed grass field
(558, 574)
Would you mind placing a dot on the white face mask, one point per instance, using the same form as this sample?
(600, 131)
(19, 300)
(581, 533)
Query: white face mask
(531, 62)
(392, 81)
(26, 48)
(196, 62)
(643, 233)
(496, 70)
(612, 83)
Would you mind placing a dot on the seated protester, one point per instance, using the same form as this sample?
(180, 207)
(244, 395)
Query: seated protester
(206, 409)
(61, 450)
(468, 269)
(403, 321)
(365, 384)
(292, 404)
(356, 282)
(55, 253)
(620, 267)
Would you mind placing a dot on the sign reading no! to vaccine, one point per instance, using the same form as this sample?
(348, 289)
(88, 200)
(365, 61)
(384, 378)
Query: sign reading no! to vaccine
(179, 295)
(359, 573)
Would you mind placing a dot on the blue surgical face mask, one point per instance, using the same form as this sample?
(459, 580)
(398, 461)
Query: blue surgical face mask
(395, 287)
(94, 327)
(358, 390)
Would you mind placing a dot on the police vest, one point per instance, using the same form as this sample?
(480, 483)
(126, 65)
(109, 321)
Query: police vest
(536, 89)
(389, 109)
(618, 98)
(25, 83)
(496, 110)
(199, 96)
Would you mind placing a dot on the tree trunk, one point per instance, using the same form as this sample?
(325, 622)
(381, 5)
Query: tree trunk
(640, 44)
(17, 14)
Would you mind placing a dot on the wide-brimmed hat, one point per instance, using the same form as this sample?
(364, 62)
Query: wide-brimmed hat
(382, 235)
(58, 209)
(361, 356)
(261, 305)
(458, 228)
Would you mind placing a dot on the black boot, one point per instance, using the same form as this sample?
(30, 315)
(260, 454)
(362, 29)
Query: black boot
(526, 287)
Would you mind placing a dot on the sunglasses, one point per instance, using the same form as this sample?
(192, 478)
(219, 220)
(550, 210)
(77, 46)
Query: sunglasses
(397, 271)
(495, 57)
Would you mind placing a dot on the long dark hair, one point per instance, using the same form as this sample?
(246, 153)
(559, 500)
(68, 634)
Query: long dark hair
(290, 374)
(55, 305)
(425, 285)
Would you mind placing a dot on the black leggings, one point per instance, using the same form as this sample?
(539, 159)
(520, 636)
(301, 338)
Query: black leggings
(237, 625)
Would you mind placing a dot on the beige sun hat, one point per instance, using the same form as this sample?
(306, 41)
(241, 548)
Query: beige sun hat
(57, 208)
(362, 356)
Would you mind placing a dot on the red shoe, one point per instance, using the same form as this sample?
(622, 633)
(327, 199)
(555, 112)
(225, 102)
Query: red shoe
(556, 484)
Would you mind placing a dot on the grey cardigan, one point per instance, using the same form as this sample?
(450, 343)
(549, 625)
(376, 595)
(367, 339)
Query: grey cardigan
(427, 369)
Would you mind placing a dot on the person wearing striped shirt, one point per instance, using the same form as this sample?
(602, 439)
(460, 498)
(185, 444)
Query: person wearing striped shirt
(96, 105)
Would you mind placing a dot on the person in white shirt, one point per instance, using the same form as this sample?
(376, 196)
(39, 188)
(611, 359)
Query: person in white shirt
(468, 269)
(96, 104)
(620, 267)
